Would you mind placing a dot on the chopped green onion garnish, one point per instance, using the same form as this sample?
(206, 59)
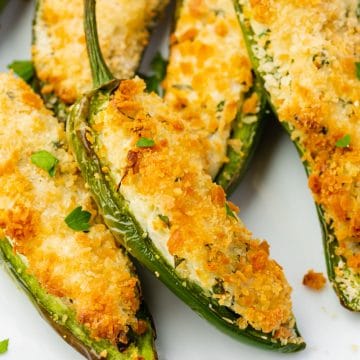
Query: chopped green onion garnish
(220, 106)
(4, 346)
(218, 288)
(23, 68)
(145, 142)
(229, 212)
(344, 141)
(357, 69)
(78, 219)
(177, 261)
(46, 161)
(165, 219)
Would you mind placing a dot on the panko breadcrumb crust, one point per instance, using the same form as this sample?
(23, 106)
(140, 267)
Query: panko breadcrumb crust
(309, 65)
(185, 214)
(208, 74)
(59, 49)
(85, 270)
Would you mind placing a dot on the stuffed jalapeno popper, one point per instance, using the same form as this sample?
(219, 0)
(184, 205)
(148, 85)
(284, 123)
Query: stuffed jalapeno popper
(308, 55)
(59, 49)
(54, 242)
(209, 82)
(147, 175)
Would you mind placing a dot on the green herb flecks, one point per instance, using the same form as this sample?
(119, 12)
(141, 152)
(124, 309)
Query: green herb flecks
(46, 161)
(218, 288)
(344, 141)
(229, 212)
(165, 220)
(220, 106)
(177, 261)
(182, 87)
(219, 12)
(145, 142)
(357, 69)
(320, 59)
(78, 219)
(4, 344)
(23, 68)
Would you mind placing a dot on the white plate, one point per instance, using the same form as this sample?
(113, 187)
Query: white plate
(275, 204)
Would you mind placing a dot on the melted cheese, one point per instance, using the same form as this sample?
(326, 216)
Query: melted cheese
(208, 73)
(59, 51)
(309, 68)
(86, 270)
(200, 239)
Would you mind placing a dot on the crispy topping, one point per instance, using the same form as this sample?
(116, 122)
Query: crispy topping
(86, 270)
(310, 72)
(205, 31)
(314, 280)
(204, 244)
(60, 42)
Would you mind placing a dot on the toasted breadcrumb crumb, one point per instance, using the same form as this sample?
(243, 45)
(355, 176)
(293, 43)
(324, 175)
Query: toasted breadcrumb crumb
(314, 280)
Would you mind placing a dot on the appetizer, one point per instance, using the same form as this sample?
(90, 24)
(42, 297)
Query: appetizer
(308, 56)
(54, 242)
(146, 172)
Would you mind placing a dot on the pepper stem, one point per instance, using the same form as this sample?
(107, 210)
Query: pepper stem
(99, 70)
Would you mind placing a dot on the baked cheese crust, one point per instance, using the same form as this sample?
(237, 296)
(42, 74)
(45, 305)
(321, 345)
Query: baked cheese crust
(59, 50)
(185, 214)
(209, 73)
(85, 270)
(309, 56)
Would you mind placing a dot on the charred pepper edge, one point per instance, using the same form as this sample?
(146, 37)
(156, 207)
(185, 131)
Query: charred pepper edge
(330, 242)
(231, 173)
(128, 232)
(62, 318)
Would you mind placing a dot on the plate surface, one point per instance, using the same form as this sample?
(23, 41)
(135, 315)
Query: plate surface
(275, 204)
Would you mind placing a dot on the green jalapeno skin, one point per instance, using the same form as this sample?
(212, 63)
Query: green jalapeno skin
(249, 135)
(122, 222)
(347, 284)
(63, 320)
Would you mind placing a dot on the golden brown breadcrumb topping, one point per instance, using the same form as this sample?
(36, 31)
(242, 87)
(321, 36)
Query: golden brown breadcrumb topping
(311, 71)
(208, 73)
(86, 270)
(59, 50)
(184, 212)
